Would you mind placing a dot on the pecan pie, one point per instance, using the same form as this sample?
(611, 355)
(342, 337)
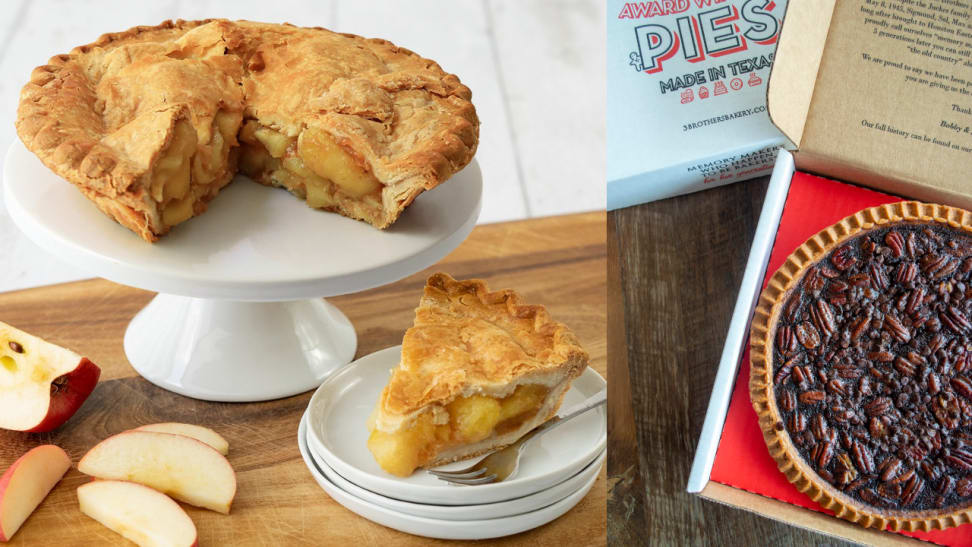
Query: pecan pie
(152, 122)
(862, 371)
(478, 371)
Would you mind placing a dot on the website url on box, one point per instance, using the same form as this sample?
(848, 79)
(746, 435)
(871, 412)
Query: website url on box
(723, 118)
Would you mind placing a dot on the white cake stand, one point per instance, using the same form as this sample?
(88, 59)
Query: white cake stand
(239, 314)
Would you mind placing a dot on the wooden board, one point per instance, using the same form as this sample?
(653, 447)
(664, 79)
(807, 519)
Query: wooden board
(558, 262)
(680, 263)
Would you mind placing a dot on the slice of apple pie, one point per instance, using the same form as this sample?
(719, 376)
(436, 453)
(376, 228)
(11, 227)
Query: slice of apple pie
(478, 371)
(152, 122)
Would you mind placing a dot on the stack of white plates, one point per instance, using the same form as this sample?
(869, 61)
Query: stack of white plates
(556, 470)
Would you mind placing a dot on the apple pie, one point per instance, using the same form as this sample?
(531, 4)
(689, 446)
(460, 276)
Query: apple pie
(478, 371)
(152, 122)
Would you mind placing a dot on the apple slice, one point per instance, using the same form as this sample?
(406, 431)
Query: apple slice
(142, 515)
(41, 384)
(198, 432)
(180, 466)
(26, 483)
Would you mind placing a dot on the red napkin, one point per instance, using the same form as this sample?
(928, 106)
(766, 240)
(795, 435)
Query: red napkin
(742, 460)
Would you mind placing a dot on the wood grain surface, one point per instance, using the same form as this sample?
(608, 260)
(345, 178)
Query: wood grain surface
(557, 261)
(678, 272)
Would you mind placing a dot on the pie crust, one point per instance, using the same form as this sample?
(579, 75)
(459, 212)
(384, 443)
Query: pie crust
(353, 125)
(763, 336)
(466, 342)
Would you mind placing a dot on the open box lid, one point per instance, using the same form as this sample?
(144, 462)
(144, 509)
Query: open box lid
(879, 93)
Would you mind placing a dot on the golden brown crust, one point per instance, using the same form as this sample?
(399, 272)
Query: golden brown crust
(411, 122)
(468, 340)
(762, 338)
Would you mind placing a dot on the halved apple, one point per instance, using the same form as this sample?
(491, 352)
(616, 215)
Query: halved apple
(26, 483)
(140, 514)
(41, 384)
(177, 465)
(198, 432)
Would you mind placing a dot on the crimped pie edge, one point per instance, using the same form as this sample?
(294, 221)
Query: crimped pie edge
(564, 342)
(762, 338)
(569, 357)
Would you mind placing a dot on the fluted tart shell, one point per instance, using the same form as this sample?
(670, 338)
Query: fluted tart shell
(763, 335)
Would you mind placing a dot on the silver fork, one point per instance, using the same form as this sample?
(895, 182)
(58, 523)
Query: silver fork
(503, 464)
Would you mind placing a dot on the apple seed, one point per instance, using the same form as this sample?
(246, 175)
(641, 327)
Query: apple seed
(58, 384)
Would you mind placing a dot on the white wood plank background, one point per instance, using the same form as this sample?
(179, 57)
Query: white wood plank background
(536, 69)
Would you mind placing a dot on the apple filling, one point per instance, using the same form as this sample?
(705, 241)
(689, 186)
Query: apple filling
(311, 165)
(210, 161)
(170, 178)
(185, 170)
(471, 420)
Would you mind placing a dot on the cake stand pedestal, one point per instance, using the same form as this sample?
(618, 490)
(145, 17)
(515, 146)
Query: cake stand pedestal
(239, 314)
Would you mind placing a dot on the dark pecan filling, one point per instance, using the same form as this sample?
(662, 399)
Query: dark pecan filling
(872, 367)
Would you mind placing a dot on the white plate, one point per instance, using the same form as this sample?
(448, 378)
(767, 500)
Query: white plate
(440, 528)
(254, 242)
(501, 509)
(337, 431)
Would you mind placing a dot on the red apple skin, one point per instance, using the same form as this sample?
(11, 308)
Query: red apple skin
(73, 388)
(9, 474)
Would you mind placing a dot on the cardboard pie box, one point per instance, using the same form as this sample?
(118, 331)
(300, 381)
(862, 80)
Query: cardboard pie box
(878, 95)
(686, 107)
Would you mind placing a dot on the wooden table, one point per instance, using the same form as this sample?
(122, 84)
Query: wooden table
(673, 275)
(557, 261)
